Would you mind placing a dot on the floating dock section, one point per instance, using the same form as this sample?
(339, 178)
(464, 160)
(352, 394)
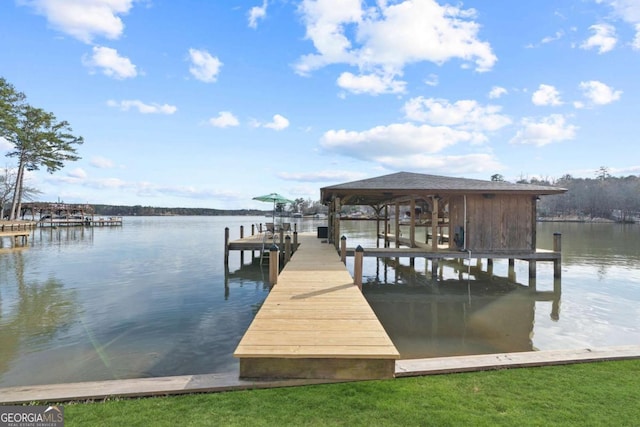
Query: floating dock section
(316, 324)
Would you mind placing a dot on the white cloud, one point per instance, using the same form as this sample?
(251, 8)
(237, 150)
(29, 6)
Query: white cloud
(322, 176)
(5, 145)
(256, 13)
(127, 104)
(497, 91)
(204, 67)
(432, 80)
(77, 173)
(224, 119)
(629, 11)
(549, 129)
(278, 123)
(598, 93)
(101, 162)
(546, 95)
(372, 84)
(604, 38)
(557, 36)
(395, 140)
(466, 164)
(464, 114)
(83, 19)
(111, 63)
(382, 40)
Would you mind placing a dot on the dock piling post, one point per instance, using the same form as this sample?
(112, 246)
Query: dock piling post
(226, 246)
(274, 264)
(295, 241)
(357, 267)
(434, 267)
(557, 247)
(287, 249)
(532, 274)
(241, 252)
(343, 249)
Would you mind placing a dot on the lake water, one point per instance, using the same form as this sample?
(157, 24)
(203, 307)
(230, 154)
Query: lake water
(152, 298)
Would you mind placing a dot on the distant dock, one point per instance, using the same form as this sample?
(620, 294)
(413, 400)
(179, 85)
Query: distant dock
(67, 215)
(18, 231)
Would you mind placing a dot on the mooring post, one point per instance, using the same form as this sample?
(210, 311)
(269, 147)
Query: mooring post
(557, 248)
(241, 252)
(226, 246)
(253, 229)
(343, 249)
(295, 241)
(532, 274)
(357, 267)
(274, 264)
(287, 249)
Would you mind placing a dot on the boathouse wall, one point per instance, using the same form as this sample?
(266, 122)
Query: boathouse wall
(494, 222)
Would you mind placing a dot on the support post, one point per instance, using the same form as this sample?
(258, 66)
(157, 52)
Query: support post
(397, 224)
(343, 249)
(357, 267)
(241, 252)
(226, 246)
(434, 267)
(295, 241)
(253, 229)
(274, 264)
(434, 224)
(532, 274)
(511, 272)
(287, 249)
(412, 221)
(557, 248)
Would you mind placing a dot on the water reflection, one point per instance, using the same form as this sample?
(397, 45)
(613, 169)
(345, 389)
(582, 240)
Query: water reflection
(481, 314)
(32, 313)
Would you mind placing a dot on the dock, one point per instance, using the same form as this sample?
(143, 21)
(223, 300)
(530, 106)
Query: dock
(18, 231)
(316, 324)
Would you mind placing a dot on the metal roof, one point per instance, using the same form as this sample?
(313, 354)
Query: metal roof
(400, 185)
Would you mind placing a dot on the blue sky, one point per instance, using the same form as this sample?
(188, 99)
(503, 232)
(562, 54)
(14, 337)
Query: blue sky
(198, 103)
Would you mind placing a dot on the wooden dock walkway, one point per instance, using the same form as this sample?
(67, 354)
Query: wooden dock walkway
(18, 231)
(316, 323)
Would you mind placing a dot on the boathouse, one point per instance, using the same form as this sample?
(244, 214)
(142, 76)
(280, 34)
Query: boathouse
(493, 217)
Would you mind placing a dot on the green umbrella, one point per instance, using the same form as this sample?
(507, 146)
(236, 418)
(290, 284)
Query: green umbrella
(275, 198)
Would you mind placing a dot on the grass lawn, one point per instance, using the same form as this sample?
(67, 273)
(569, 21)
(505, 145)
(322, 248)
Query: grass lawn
(590, 394)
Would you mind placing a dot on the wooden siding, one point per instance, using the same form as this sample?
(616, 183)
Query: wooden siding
(495, 222)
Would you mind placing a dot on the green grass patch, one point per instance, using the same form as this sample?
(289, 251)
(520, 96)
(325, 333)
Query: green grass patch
(590, 394)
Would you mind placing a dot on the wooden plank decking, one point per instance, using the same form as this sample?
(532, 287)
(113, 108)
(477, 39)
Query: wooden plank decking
(316, 323)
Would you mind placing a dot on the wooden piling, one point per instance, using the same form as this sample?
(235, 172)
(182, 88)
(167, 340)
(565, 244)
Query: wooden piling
(287, 249)
(226, 246)
(357, 266)
(557, 247)
(274, 264)
(343, 249)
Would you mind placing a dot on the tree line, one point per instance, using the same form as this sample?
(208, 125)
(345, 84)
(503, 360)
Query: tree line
(604, 196)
